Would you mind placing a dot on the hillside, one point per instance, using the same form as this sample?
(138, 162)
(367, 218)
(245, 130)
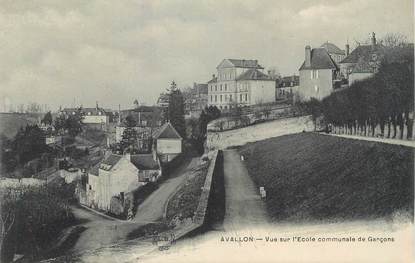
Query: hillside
(10, 123)
(313, 177)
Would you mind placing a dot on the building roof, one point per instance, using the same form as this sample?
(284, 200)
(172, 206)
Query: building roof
(144, 162)
(253, 74)
(363, 66)
(167, 131)
(244, 63)
(141, 161)
(95, 169)
(332, 48)
(364, 51)
(320, 59)
(93, 111)
(201, 88)
(213, 80)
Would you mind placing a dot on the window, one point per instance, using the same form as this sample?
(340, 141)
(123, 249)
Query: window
(226, 97)
(216, 88)
(220, 98)
(230, 97)
(216, 98)
(211, 88)
(246, 97)
(211, 98)
(240, 97)
(314, 74)
(220, 87)
(316, 88)
(226, 87)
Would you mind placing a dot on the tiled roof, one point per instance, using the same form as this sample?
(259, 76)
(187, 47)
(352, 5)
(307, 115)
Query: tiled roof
(253, 74)
(94, 169)
(110, 161)
(144, 162)
(363, 66)
(364, 51)
(213, 80)
(244, 63)
(167, 131)
(320, 59)
(332, 48)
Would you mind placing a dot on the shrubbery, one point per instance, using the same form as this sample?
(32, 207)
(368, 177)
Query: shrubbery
(385, 99)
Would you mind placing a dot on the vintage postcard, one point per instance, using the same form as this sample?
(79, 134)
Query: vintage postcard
(207, 131)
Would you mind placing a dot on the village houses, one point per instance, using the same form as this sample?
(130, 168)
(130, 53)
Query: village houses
(240, 82)
(97, 117)
(363, 62)
(195, 100)
(118, 175)
(167, 142)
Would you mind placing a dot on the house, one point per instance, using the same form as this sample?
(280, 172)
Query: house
(318, 74)
(335, 52)
(167, 142)
(93, 117)
(240, 82)
(195, 100)
(118, 175)
(363, 62)
(287, 87)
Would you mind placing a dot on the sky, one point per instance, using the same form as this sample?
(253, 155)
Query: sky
(79, 52)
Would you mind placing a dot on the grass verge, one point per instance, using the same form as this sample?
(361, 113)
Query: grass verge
(313, 177)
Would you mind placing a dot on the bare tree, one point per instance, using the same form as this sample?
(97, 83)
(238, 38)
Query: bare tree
(394, 40)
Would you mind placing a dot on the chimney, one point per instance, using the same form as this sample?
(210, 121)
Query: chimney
(213, 76)
(269, 72)
(373, 39)
(347, 49)
(96, 105)
(307, 56)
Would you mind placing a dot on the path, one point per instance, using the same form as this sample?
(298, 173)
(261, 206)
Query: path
(152, 209)
(100, 231)
(244, 207)
(407, 143)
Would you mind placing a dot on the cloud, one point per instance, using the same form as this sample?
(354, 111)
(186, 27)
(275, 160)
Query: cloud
(115, 51)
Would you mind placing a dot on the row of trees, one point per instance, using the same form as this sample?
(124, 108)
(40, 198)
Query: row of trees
(385, 100)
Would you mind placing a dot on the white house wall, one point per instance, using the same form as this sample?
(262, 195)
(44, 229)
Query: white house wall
(169, 146)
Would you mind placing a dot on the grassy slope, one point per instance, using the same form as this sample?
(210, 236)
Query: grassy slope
(314, 177)
(185, 201)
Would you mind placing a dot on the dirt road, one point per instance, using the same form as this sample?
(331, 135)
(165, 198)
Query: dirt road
(244, 207)
(100, 231)
(152, 209)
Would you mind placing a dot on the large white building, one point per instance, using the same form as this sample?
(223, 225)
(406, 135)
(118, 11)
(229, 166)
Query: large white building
(240, 82)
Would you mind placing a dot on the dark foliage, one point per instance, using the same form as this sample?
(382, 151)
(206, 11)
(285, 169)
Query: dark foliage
(176, 110)
(385, 99)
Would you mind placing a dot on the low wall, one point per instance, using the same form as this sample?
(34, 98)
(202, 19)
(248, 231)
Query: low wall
(211, 207)
(238, 137)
